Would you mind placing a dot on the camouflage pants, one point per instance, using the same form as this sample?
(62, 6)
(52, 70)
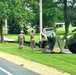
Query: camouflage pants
(32, 44)
(21, 44)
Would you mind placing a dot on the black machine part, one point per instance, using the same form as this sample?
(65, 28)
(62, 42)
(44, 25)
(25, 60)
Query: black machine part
(71, 44)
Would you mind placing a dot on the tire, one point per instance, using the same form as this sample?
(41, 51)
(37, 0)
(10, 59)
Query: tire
(72, 48)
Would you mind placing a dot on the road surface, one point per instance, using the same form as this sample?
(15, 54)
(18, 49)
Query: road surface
(8, 68)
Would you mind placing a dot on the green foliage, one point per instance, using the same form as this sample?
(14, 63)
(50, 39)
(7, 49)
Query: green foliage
(48, 12)
(16, 13)
(24, 11)
(19, 15)
(73, 18)
(51, 13)
(33, 5)
(14, 27)
(4, 11)
(59, 15)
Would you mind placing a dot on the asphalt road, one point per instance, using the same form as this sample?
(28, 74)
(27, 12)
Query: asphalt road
(9, 68)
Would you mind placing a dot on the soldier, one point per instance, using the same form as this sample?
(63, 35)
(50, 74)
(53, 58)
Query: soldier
(21, 39)
(44, 40)
(32, 39)
(44, 37)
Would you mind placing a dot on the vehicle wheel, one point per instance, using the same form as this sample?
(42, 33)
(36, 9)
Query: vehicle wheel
(72, 48)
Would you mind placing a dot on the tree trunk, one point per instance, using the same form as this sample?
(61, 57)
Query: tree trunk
(66, 19)
(6, 26)
(1, 31)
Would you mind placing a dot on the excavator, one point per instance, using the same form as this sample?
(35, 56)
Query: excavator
(56, 44)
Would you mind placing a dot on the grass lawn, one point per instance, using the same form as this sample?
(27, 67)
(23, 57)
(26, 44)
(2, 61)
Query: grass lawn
(59, 31)
(64, 62)
(27, 37)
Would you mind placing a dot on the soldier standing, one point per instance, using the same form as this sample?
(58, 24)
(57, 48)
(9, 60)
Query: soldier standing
(32, 39)
(44, 40)
(21, 39)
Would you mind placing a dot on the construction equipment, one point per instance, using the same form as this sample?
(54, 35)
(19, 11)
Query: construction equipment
(71, 42)
(55, 43)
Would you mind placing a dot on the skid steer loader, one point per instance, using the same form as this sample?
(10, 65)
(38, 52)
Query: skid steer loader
(54, 44)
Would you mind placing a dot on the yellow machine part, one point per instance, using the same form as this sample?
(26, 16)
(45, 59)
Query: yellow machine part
(59, 45)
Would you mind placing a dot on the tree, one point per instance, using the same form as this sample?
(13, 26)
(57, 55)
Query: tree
(68, 14)
(67, 11)
(72, 12)
(1, 31)
(3, 14)
(33, 5)
(49, 12)
(18, 15)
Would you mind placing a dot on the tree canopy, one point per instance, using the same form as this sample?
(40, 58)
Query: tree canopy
(20, 12)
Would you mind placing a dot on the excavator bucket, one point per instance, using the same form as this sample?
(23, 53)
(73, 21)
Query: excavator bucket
(59, 45)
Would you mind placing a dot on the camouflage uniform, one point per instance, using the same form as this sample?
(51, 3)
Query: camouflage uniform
(44, 40)
(44, 37)
(32, 39)
(21, 39)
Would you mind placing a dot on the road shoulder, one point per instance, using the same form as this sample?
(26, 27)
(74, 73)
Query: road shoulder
(36, 67)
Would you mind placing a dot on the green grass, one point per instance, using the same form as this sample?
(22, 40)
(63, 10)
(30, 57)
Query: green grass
(61, 31)
(62, 62)
(27, 37)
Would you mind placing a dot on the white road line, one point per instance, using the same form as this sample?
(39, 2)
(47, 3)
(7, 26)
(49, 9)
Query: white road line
(5, 71)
